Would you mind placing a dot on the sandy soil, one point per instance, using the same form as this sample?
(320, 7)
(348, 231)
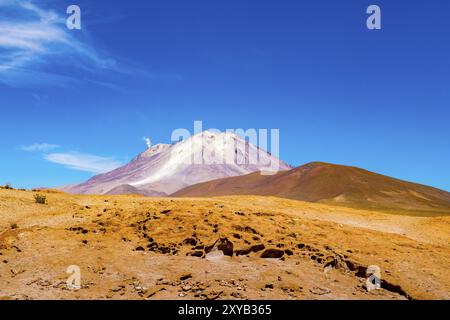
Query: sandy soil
(131, 247)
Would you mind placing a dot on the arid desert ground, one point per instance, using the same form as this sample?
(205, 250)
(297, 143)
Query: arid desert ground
(234, 247)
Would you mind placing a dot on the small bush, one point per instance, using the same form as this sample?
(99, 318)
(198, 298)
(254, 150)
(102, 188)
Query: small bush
(14, 226)
(7, 186)
(39, 198)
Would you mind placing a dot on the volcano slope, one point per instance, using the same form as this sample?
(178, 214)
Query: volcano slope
(240, 247)
(332, 184)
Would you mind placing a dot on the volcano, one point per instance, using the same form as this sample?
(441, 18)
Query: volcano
(166, 168)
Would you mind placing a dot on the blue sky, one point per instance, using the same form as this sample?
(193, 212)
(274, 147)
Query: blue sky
(77, 102)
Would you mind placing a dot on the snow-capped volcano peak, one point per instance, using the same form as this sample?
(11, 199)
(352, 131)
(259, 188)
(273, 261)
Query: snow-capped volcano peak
(155, 149)
(169, 167)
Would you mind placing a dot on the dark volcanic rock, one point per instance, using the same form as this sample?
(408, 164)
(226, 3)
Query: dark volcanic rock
(195, 254)
(272, 253)
(224, 245)
(246, 251)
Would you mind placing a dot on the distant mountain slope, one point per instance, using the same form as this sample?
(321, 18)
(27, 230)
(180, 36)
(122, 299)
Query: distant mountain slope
(333, 184)
(127, 189)
(166, 168)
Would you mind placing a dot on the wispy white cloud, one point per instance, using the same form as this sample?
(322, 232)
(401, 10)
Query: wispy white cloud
(32, 37)
(40, 147)
(83, 162)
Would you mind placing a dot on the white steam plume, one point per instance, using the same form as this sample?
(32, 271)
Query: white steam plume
(148, 142)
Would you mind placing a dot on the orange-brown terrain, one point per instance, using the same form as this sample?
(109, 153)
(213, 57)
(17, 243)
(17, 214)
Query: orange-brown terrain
(332, 184)
(234, 247)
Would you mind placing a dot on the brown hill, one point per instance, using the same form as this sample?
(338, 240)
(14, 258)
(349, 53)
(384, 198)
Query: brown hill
(332, 184)
(127, 189)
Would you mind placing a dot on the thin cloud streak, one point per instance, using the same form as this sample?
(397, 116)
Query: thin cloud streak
(40, 147)
(83, 162)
